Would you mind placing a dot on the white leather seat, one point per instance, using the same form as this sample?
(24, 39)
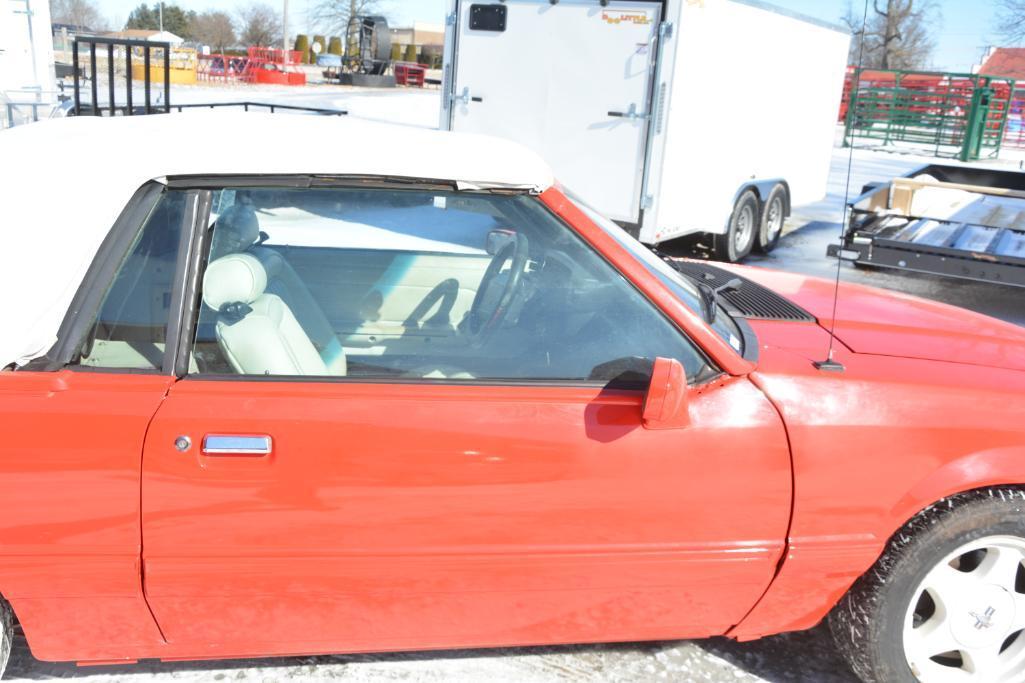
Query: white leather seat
(284, 282)
(257, 331)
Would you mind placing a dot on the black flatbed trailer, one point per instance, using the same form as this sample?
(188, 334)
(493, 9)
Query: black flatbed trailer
(951, 221)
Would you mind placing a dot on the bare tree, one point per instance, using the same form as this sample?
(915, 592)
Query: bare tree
(893, 34)
(1011, 20)
(334, 15)
(213, 28)
(259, 24)
(77, 13)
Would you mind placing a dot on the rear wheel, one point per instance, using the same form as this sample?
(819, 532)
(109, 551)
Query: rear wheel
(742, 231)
(946, 601)
(774, 215)
(6, 634)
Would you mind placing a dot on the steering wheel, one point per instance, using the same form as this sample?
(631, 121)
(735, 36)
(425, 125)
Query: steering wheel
(447, 292)
(481, 323)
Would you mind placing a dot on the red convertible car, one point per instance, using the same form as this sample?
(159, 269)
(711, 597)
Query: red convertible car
(323, 386)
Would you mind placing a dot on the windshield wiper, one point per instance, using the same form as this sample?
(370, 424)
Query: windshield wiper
(709, 294)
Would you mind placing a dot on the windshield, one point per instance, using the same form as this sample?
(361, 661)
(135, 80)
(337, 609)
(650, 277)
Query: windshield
(677, 282)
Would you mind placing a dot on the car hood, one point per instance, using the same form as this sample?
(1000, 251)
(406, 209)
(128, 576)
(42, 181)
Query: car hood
(886, 323)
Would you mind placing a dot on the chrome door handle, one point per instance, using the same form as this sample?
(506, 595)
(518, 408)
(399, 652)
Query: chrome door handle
(234, 444)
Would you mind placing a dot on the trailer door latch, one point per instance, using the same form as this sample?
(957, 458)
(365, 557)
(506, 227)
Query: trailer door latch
(631, 114)
(465, 98)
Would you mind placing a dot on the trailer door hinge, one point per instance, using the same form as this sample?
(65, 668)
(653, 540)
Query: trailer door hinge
(450, 20)
(665, 29)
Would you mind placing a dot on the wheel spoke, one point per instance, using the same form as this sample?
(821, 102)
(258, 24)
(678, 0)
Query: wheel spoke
(1019, 612)
(1000, 566)
(983, 663)
(945, 583)
(930, 639)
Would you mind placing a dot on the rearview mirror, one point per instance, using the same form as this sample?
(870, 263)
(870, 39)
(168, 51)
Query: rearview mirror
(665, 404)
(498, 239)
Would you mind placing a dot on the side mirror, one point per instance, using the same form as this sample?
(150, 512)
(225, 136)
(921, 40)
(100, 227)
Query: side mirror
(665, 405)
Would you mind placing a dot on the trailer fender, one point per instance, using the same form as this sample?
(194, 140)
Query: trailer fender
(762, 187)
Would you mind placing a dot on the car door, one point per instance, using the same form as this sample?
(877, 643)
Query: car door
(74, 424)
(454, 489)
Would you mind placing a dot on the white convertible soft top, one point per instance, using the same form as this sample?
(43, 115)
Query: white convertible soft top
(63, 183)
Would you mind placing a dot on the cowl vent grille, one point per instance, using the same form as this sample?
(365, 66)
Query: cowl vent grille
(750, 301)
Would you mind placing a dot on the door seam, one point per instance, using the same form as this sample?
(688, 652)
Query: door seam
(142, 546)
(793, 504)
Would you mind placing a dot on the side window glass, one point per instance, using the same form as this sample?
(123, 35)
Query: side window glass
(130, 331)
(412, 285)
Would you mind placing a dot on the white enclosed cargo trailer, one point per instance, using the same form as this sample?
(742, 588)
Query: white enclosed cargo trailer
(671, 117)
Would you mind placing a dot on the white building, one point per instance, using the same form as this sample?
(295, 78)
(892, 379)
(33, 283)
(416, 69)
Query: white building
(26, 60)
(148, 34)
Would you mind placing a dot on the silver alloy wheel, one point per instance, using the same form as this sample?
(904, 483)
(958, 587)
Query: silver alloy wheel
(775, 218)
(745, 228)
(966, 621)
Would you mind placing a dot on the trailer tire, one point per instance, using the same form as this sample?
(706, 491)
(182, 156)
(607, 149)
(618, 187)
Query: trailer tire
(742, 231)
(6, 634)
(774, 216)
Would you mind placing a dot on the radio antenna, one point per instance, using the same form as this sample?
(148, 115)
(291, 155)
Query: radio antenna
(830, 364)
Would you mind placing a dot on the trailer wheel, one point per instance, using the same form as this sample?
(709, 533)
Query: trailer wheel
(774, 215)
(742, 232)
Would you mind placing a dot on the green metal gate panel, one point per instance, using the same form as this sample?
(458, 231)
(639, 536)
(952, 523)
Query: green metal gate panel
(961, 116)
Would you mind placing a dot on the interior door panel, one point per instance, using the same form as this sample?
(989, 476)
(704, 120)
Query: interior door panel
(368, 294)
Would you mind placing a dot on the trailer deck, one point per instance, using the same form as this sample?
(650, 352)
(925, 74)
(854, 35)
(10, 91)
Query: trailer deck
(959, 222)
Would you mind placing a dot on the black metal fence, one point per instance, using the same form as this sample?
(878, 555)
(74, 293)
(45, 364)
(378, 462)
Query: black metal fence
(112, 108)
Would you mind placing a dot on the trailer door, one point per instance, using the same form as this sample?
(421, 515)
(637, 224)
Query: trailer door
(570, 80)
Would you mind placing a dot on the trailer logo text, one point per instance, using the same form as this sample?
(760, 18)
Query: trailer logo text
(616, 18)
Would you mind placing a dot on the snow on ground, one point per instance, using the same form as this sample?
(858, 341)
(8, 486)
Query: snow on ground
(806, 657)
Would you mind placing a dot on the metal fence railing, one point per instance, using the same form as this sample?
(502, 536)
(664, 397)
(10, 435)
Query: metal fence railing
(962, 116)
(120, 51)
(1014, 131)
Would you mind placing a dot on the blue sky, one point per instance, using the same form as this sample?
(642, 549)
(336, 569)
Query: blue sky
(963, 33)
(965, 30)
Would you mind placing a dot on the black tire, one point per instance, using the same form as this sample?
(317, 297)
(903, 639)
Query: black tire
(742, 232)
(6, 634)
(773, 218)
(867, 624)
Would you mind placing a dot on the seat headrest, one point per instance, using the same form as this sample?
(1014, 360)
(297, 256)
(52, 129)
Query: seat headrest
(236, 230)
(233, 279)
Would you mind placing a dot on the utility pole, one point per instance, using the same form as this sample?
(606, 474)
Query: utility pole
(284, 30)
(161, 16)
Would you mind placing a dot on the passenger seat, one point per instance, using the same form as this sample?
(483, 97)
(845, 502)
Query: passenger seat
(256, 330)
(238, 231)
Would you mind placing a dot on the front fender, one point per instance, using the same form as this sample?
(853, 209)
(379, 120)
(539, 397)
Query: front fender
(992, 467)
(803, 592)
